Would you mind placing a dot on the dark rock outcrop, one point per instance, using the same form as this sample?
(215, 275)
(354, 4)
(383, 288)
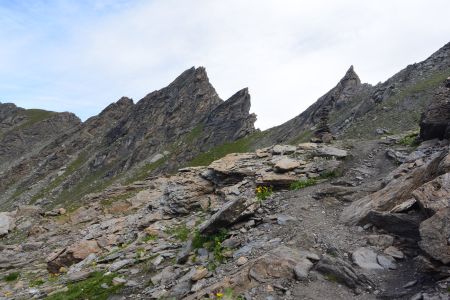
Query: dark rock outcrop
(435, 122)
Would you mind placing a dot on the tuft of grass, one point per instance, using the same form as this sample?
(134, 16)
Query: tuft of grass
(11, 276)
(110, 201)
(301, 184)
(194, 134)
(36, 282)
(331, 278)
(143, 172)
(180, 232)
(149, 237)
(34, 116)
(304, 136)
(329, 174)
(89, 289)
(410, 140)
(239, 146)
(213, 243)
(71, 168)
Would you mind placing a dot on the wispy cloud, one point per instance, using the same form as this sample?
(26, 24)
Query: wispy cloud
(82, 55)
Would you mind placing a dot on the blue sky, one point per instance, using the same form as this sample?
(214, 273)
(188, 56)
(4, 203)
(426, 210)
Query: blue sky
(80, 56)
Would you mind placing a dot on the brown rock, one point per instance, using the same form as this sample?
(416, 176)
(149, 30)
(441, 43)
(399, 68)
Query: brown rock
(434, 195)
(435, 233)
(73, 254)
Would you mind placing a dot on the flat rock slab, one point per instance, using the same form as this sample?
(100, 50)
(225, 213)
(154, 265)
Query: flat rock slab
(366, 258)
(286, 164)
(283, 149)
(331, 151)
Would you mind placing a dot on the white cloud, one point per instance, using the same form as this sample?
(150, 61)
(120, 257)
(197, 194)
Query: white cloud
(287, 52)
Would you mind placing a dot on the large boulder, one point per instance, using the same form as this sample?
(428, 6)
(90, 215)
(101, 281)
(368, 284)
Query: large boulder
(71, 255)
(282, 262)
(434, 195)
(435, 233)
(406, 179)
(435, 121)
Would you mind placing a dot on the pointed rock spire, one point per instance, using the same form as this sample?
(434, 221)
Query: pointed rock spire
(350, 78)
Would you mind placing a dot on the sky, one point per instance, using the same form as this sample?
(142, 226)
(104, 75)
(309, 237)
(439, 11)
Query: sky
(81, 55)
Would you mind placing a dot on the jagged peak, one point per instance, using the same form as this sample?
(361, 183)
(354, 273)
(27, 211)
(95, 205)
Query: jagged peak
(241, 97)
(350, 77)
(191, 74)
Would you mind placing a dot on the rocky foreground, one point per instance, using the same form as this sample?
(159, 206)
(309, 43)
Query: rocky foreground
(262, 225)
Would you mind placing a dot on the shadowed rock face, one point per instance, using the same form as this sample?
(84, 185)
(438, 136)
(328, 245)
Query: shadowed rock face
(162, 131)
(435, 122)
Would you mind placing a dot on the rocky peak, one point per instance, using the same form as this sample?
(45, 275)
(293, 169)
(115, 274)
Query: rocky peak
(231, 119)
(350, 78)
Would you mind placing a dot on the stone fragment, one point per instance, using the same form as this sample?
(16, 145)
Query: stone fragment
(328, 151)
(301, 270)
(120, 264)
(394, 252)
(283, 149)
(73, 254)
(242, 261)
(278, 263)
(286, 164)
(343, 272)
(387, 262)
(366, 258)
(199, 274)
(380, 240)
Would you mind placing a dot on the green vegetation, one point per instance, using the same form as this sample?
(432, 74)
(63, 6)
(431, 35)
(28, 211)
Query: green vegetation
(228, 294)
(213, 243)
(408, 102)
(301, 184)
(89, 289)
(36, 282)
(34, 116)
(303, 137)
(410, 140)
(94, 182)
(240, 146)
(194, 134)
(180, 232)
(329, 174)
(144, 171)
(149, 237)
(71, 168)
(331, 278)
(11, 276)
(263, 192)
(124, 196)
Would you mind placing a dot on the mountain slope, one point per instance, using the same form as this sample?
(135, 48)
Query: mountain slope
(356, 110)
(127, 141)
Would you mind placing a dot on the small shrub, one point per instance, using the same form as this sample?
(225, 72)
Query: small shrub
(213, 243)
(301, 184)
(37, 282)
(149, 237)
(409, 140)
(263, 192)
(12, 276)
(181, 232)
(328, 174)
(89, 289)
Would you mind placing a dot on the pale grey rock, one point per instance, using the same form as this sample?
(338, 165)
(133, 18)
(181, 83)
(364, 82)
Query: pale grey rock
(366, 258)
